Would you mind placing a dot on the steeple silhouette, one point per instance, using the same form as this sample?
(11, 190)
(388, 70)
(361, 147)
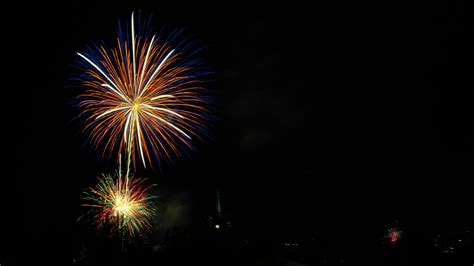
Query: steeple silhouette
(218, 204)
(217, 220)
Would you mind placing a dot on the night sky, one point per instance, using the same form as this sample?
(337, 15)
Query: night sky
(333, 119)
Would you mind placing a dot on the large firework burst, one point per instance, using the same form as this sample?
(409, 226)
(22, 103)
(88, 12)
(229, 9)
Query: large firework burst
(144, 97)
(121, 204)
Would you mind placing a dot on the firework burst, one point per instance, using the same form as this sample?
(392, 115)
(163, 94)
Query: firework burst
(393, 235)
(121, 204)
(144, 98)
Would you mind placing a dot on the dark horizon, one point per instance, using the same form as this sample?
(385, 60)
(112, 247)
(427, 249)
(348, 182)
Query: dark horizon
(333, 119)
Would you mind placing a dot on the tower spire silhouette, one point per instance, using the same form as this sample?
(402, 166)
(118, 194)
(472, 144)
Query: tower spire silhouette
(218, 204)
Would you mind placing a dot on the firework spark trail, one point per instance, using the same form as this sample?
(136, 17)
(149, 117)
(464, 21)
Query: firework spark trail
(142, 101)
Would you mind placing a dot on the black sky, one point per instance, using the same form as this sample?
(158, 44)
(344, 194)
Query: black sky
(332, 117)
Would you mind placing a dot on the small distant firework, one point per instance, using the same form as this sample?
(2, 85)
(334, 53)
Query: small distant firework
(144, 98)
(122, 205)
(393, 235)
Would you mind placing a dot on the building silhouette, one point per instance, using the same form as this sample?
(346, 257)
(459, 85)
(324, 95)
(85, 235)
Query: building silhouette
(219, 221)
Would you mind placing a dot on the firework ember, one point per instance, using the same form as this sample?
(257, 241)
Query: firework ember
(393, 235)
